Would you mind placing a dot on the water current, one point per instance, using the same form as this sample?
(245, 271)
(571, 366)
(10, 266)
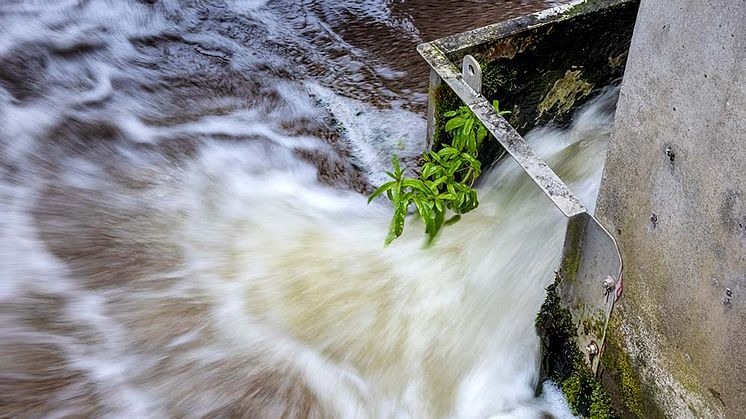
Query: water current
(184, 229)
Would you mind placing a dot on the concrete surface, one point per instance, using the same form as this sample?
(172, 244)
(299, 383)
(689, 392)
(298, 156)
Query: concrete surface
(674, 194)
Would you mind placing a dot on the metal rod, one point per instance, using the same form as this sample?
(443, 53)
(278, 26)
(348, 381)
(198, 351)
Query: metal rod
(513, 143)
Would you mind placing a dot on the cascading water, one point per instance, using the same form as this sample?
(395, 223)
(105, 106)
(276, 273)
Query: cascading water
(185, 232)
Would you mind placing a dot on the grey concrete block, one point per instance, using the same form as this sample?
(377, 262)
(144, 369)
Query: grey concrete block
(674, 192)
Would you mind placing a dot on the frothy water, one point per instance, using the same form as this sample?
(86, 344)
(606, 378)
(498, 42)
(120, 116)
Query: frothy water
(185, 231)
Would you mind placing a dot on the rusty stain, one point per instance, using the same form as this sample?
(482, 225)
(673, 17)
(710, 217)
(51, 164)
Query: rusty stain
(507, 48)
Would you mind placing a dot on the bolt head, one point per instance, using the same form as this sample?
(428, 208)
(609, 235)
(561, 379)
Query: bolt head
(592, 349)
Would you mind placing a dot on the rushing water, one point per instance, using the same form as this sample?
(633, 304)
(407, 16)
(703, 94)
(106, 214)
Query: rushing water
(184, 229)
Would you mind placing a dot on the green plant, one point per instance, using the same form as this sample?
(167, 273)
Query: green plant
(445, 180)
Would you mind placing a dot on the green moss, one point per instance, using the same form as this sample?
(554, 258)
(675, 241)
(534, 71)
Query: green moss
(619, 372)
(594, 325)
(564, 363)
(601, 406)
(586, 396)
(497, 79)
(586, 6)
(676, 362)
(529, 68)
(522, 69)
(684, 371)
(565, 92)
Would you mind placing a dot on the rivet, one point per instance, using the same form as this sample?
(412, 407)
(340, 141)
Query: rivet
(592, 349)
(609, 283)
(609, 286)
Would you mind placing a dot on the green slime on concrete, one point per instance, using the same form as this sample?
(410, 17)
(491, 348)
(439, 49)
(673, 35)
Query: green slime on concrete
(631, 397)
(563, 363)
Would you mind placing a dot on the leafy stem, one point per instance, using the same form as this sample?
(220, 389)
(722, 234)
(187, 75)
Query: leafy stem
(445, 180)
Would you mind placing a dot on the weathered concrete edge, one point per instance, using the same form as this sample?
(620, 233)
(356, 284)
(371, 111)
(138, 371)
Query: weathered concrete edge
(454, 44)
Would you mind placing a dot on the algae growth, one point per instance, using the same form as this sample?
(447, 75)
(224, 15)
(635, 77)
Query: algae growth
(564, 363)
(565, 92)
(623, 380)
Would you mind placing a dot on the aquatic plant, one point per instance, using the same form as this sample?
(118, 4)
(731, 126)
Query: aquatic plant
(443, 190)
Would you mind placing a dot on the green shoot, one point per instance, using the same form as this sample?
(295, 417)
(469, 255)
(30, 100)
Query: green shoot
(443, 190)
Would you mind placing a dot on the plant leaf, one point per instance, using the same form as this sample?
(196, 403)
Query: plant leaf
(429, 169)
(481, 133)
(468, 125)
(381, 189)
(454, 123)
(474, 163)
(452, 220)
(454, 167)
(447, 152)
(397, 225)
(416, 184)
(397, 168)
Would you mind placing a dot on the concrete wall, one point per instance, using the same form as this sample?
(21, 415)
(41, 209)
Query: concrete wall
(674, 194)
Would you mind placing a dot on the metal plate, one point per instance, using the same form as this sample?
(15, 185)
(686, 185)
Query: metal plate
(471, 71)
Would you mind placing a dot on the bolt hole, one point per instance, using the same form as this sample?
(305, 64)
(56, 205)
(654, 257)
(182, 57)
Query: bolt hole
(471, 69)
(671, 154)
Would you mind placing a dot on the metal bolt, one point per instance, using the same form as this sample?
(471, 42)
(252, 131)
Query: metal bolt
(609, 283)
(727, 298)
(609, 286)
(592, 349)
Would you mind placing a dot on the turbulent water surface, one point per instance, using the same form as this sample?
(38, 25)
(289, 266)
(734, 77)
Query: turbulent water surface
(184, 229)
